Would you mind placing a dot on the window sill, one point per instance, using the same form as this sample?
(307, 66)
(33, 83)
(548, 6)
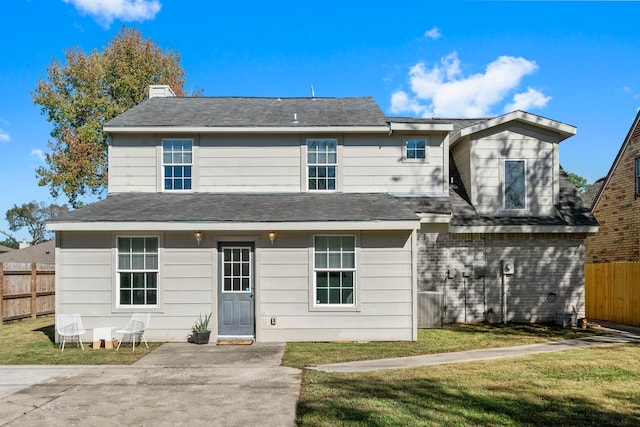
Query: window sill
(334, 308)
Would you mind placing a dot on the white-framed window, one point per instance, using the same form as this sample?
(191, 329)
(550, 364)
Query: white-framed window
(334, 270)
(638, 177)
(322, 164)
(177, 164)
(415, 148)
(515, 185)
(137, 271)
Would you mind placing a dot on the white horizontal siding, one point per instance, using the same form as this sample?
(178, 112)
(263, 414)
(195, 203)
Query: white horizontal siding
(230, 163)
(383, 276)
(133, 164)
(376, 163)
(188, 284)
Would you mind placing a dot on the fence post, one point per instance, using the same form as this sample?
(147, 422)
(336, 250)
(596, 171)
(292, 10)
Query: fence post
(34, 295)
(1, 292)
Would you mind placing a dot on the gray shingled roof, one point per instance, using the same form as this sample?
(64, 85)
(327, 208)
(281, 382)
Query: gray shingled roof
(237, 111)
(435, 205)
(457, 123)
(224, 207)
(591, 194)
(570, 208)
(43, 253)
(4, 249)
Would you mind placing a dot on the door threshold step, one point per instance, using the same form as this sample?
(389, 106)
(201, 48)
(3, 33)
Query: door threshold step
(235, 342)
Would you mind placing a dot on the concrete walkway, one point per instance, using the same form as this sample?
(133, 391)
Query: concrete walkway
(175, 385)
(190, 385)
(476, 355)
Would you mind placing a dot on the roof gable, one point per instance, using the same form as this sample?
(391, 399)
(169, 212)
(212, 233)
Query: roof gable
(633, 133)
(563, 130)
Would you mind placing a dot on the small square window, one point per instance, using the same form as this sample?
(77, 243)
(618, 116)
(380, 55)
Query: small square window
(415, 149)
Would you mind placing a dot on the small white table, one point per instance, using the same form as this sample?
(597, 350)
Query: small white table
(105, 334)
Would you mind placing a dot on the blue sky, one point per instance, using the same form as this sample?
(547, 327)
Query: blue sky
(575, 62)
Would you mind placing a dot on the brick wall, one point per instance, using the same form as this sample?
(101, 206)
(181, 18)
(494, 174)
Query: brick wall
(548, 278)
(618, 212)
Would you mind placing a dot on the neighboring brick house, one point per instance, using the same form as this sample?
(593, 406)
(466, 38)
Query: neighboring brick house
(617, 206)
(307, 219)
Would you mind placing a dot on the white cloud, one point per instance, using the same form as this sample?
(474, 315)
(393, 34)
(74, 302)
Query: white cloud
(444, 91)
(527, 100)
(36, 152)
(402, 103)
(106, 11)
(4, 136)
(433, 33)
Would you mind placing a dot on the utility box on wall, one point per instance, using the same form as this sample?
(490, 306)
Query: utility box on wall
(508, 267)
(430, 305)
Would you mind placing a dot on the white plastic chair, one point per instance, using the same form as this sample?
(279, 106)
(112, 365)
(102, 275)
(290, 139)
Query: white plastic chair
(135, 329)
(69, 326)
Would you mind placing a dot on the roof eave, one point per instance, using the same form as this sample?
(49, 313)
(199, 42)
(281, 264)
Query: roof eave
(233, 226)
(552, 229)
(421, 127)
(246, 129)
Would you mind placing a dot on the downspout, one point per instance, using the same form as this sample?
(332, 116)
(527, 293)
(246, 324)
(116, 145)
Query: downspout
(504, 298)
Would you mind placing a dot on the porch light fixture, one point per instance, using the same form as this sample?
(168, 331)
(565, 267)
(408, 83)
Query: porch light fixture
(198, 236)
(272, 237)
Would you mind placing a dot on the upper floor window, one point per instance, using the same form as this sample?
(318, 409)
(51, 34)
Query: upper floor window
(515, 185)
(415, 149)
(334, 270)
(322, 162)
(177, 162)
(638, 176)
(137, 271)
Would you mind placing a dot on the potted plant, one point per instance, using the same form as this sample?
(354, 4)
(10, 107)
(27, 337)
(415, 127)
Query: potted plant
(200, 332)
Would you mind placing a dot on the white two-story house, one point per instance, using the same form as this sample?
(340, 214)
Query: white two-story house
(315, 219)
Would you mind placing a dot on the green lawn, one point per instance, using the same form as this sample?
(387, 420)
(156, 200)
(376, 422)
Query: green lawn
(457, 337)
(598, 386)
(31, 342)
(589, 387)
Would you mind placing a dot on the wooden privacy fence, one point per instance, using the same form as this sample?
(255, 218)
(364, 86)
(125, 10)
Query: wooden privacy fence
(27, 290)
(612, 292)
